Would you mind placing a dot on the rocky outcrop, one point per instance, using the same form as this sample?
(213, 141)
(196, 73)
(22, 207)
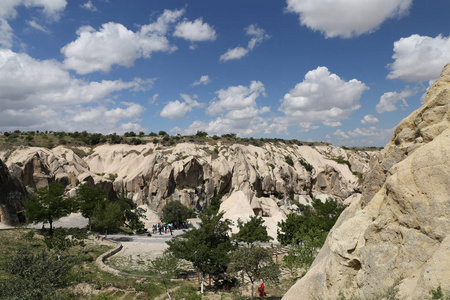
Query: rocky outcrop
(153, 174)
(400, 227)
(12, 197)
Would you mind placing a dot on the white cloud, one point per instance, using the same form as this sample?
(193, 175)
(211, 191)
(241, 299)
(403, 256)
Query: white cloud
(236, 98)
(238, 112)
(419, 58)
(154, 98)
(371, 136)
(114, 44)
(369, 119)
(235, 53)
(36, 26)
(195, 31)
(204, 79)
(89, 6)
(258, 36)
(175, 109)
(389, 100)
(41, 94)
(163, 22)
(346, 18)
(51, 9)
(6, 34)
(340, 134)
(320, 97)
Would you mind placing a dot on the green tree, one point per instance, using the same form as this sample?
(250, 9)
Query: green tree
(34, 275)
(88, 198)
(166, 266)
(252, 231)
(48, 204)
(174, 211)
(201, 134)
(256, 263)
(321, 216)
(306, 233)
(206, 247)
(107, 217)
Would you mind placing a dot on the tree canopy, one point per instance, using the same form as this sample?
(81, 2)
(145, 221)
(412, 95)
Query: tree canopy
(320, 217)
(206, 247)
(252, 231)
(257, 263)
(174, 211)
(48, 204)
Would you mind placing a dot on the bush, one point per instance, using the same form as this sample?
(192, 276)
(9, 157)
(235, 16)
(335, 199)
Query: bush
(34, 275)
(306, 165)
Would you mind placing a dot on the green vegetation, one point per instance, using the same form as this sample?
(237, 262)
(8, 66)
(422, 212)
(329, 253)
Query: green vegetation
(306, 165)
(252, 231)
(256, 263)
(48, 205)
(206, 247)
(289, 160)
(306, 233)
(174, 211)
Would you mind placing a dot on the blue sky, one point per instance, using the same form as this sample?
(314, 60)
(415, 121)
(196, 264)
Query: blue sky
(340, 71)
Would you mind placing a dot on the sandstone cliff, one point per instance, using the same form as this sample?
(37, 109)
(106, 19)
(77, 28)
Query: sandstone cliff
(400, 227)
(270, 176)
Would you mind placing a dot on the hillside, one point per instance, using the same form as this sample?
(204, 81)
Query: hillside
(273, 175)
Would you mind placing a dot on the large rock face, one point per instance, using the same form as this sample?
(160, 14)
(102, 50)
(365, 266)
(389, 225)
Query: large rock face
(12, 197)
(400, 227)
(153, 175)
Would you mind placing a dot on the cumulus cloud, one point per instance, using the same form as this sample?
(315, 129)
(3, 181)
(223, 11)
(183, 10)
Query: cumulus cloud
(389, 100)
(51, 9)
(321, 97)
(235, 53)
(346, 18)
(236, 110)
(204, 79)
(419, 58)
(89, 6)
(369, 119)
(114, 44)
(340, 134)
(371, 136)
(176, 109)
(258, 36)
(38, 94)
(195, 31)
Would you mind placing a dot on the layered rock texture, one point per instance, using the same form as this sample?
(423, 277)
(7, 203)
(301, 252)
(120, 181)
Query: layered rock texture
(272, 174)
(12, 197)
(400, 227)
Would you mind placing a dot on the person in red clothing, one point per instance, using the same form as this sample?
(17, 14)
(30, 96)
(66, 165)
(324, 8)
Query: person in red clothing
(261, 291)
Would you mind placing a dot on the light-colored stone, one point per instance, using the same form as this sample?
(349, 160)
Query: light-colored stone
(400, 227)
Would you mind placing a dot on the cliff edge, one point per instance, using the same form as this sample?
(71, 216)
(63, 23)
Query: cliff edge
(399, 229)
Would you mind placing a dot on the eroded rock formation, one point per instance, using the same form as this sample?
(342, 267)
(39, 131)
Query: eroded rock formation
(151, 174)
(400, 227)
(12, 197)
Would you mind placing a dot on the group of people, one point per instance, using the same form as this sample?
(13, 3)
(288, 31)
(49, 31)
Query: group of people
(162, 227)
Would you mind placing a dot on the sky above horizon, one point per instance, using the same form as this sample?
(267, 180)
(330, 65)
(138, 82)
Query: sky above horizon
(339, 71)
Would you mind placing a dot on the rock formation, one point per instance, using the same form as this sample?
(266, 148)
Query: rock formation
(193, 173)
(12, 197)
(400, 227)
